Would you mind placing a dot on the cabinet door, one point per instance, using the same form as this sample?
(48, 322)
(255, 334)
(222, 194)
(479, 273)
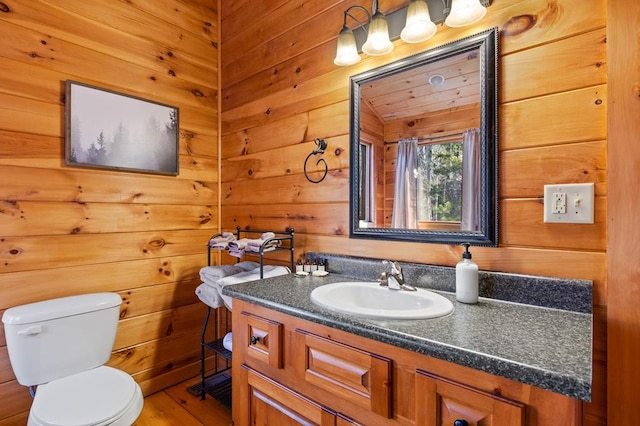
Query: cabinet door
(444, 402)
(358, 376)
(345, 421)
(262, 339)
(271, 403)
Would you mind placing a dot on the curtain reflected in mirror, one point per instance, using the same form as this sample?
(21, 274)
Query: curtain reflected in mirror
(470, 217)
(405, 194)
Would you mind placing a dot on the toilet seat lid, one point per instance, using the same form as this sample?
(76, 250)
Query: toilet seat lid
(89, 398)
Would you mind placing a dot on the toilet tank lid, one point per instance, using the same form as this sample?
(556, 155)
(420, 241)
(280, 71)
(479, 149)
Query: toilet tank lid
(60, 308)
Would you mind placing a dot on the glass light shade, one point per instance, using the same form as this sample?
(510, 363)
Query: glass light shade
(347, 51)
(378, 42)
(419, 26)
(465, 12)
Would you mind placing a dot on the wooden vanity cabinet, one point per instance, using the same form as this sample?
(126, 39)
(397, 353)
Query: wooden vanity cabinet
(450, 403)
(271, 403)
(299, 372)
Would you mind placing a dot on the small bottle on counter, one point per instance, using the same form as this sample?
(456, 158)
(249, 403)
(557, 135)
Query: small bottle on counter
(299, 267)
(307, 266)
(314, 266)
(467, 278)
(322, 266)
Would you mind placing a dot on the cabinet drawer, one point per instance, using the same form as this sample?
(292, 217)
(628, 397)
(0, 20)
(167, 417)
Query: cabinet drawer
(352, 374)
(271, 403)
(263, 339)
(443, 402)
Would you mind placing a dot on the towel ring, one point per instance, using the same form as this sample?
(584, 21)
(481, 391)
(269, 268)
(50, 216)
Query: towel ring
(321, 145)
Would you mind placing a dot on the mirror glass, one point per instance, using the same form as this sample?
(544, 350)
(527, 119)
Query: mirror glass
(424, 146)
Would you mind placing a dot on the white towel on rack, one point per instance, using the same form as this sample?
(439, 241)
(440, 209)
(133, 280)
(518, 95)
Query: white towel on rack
(227, 341)
(254, 275)
(208, 291)
(239, 247)
(236, 248)
(221, 242)
(253, 246)
(211, 274)
(209, 295)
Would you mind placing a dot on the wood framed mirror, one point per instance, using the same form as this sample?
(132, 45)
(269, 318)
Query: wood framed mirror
(424, 146)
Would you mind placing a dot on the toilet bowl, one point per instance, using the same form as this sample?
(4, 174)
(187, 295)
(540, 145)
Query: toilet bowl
(61, 346)
(101, 396)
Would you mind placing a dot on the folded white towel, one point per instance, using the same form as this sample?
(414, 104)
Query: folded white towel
(253, 275)
(259, 241)
(209, 291)
(209, 295)
(227, 341)
(211, 274)
(221, 242)
(238, 244)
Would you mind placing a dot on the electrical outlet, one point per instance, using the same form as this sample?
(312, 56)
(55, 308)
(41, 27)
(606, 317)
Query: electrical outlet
(569, 203)
(559, 203)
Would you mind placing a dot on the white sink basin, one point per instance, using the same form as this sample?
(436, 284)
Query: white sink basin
(370, 300)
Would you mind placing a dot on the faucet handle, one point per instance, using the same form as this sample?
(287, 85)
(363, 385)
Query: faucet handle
(395, 266)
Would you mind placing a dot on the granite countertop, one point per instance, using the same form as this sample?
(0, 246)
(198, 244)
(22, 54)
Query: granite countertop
(545, 347)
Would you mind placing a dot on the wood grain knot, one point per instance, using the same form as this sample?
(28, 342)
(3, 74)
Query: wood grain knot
(518, 25)
(157, 243)
(4, 8)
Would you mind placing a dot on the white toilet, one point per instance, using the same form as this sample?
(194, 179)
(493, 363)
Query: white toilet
(61, 345)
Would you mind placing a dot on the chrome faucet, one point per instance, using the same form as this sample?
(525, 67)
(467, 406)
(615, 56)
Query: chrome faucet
(394, 280)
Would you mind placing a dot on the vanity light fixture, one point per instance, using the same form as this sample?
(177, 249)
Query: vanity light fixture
(465, 12)
(378, 42)
(347, 52)
(419, 26)
(414, 23)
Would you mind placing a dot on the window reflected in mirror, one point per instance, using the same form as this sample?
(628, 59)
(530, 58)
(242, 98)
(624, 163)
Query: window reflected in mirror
(439, 176)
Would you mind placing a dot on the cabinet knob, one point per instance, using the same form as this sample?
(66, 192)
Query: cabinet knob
(460, 423)
(254, 340)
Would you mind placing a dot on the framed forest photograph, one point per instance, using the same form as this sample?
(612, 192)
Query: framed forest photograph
(110, 130)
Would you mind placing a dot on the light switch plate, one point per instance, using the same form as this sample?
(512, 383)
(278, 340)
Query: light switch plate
(575, 199)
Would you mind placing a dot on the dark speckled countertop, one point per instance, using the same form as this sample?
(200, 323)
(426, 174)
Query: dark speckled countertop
(548, 347)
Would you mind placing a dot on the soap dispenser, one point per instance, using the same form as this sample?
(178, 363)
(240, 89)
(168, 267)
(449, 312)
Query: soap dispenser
(467, 278)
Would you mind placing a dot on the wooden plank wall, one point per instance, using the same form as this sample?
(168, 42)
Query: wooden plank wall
(623, 231)
(280, 89)
(68, 230)
(372, 131)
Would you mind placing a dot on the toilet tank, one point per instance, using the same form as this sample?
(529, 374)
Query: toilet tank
(56, 338)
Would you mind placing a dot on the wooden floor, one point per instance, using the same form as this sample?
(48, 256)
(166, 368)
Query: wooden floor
(176, 406)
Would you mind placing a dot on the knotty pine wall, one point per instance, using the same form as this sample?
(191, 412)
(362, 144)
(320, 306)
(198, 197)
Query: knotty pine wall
(280, 89)
(68, 230)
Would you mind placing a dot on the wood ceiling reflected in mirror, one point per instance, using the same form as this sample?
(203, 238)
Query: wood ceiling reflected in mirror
(450, 83)
(443, 98)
